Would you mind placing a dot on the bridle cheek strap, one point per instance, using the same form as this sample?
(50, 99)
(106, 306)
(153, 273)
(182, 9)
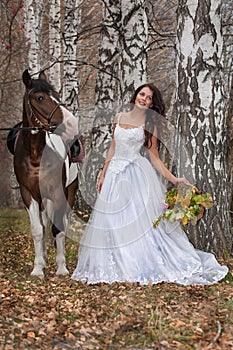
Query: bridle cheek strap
(48, 119)
(53, 111)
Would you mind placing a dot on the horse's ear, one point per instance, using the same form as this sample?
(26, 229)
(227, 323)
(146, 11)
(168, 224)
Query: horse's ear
(27, 79)
(42, 75)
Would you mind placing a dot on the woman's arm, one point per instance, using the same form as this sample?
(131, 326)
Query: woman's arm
(160, 166)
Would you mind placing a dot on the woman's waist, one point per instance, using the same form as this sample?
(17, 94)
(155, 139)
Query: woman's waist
(126, 155)
(127, 151)
(119, 163)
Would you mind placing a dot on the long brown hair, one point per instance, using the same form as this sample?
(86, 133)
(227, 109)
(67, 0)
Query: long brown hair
(157, 106)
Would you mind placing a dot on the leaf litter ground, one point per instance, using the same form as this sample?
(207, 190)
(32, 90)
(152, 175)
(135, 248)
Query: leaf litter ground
(58, 313)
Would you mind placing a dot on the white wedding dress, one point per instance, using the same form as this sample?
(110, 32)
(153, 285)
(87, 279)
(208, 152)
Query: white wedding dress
(120, 243)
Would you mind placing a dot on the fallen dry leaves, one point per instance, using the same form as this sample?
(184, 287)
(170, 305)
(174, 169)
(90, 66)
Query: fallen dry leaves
(58, 313)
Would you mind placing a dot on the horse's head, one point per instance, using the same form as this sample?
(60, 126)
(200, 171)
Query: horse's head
(41, 103)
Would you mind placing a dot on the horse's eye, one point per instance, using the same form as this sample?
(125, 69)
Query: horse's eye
(40, 98)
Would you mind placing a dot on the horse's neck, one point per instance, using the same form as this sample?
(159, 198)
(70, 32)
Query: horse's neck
(25, 118)
(33, 144)
(34, 141)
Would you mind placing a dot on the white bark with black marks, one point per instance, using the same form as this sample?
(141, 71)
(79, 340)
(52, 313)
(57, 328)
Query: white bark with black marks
(70, 81)
(122, 68)
(133, 47)
(33, 25)
(107, 98)
(201, 122)
(55, 46)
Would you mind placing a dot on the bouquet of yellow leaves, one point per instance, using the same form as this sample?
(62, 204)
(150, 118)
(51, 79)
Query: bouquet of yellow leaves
(186, 204)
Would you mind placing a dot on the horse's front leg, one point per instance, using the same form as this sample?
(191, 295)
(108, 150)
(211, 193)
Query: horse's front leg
(59, 232)
(37, 232)
(60, 257)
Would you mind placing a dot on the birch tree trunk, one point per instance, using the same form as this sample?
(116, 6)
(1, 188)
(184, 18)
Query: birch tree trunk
(107, 98)
(55, 50)
(70, 81)
(122, 68)
(201, 122)
(230, 148)
(133, 43)
(33, 18)
(228, 69)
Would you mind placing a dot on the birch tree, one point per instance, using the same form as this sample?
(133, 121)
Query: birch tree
(122, 68)
(133, 43)
(230, 148)
(228, 70)
(33, 24)
(201, 122)
(107, 96)
(227, 19)
(55, 49)
(70, 80)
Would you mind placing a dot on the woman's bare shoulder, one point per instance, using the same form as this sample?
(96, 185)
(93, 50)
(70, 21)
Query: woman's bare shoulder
(121, 116)
(116, 118)
(125, 116)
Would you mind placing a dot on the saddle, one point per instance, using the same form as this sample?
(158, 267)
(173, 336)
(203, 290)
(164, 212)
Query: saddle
(12, 137)
(74, 147)
(75, 150)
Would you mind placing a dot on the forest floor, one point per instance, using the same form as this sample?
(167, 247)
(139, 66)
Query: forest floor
(58, 313)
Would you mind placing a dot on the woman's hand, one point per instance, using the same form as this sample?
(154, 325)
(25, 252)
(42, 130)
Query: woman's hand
(100, 182)
(181, 181)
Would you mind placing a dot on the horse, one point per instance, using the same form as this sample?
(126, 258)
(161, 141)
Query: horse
(41, 169)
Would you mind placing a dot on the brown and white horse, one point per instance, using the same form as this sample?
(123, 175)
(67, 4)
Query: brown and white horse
(41, 170)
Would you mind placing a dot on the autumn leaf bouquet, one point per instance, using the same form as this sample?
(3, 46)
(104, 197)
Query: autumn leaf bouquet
(186, 204)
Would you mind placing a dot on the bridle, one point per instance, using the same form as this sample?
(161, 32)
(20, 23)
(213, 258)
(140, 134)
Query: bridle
(33, 109)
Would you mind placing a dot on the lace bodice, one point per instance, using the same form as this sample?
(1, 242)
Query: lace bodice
(128, 143)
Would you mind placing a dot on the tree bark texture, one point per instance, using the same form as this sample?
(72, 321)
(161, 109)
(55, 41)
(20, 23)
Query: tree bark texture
(70, 81)
(107, 98)
(228, 70)
(122, 68)
(133, 43)
(230, 149)
(201, 123)
(55, 43)
(33, 25)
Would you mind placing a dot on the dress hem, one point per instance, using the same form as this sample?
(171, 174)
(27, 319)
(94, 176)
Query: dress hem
(186, 281)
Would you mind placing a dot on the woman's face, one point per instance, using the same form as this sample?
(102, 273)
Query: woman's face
(144, 98)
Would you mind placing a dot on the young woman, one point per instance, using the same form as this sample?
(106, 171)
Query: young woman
(120, 243)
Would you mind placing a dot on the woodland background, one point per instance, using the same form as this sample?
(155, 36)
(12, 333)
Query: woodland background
(97, 52)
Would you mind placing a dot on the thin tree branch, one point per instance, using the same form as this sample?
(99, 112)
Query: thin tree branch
(217, 335)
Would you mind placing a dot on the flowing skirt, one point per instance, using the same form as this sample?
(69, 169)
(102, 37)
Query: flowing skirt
(120, 243)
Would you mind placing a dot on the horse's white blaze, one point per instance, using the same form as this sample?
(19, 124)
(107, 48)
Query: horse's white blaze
(60, 258)
(37, 233)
